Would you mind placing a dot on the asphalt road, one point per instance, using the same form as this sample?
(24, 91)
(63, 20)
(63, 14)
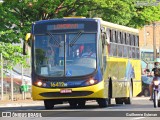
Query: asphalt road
(141, 108)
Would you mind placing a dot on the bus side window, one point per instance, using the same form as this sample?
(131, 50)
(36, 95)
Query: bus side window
(108, 35)
(123, 38)
(114, 35)
(136, 41)
(132, 41)
(120, 46)
(118, 37)
(120, 50)
(111, 36)
(137, 49)
(132, 45)
(127, 39)
(137, 53)
(133, 52)
(130, 52)
(113, 46)
(108, 32)
(125, 48)
(125, 51)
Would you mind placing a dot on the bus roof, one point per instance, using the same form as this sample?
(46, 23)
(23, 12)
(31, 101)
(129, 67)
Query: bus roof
(64, 19)
(118, 27)
(105, 23)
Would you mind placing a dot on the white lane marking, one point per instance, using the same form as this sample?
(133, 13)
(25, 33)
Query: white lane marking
(140, 98)
(138, 118)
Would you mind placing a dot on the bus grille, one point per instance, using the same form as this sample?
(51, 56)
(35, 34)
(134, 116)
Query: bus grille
(73, 94)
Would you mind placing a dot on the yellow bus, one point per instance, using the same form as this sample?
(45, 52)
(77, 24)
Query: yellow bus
(79, 59)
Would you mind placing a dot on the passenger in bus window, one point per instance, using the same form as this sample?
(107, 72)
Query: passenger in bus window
(89, 52)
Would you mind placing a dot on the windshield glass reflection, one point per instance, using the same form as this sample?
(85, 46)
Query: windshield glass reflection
(69, 55)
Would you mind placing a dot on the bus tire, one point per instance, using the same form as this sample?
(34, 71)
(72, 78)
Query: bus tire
(102, 102)
(73, 104)
(155, 99)
(128, 100)
(158, 103)
(109, 101)
(119, 100)
(81, 104)
(110, 91)
(48, 104)
(146, 92)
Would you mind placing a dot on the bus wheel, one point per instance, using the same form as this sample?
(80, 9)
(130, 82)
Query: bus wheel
(48, 104)
(109, 101)
(119, 100)
(155, 99)
(128, 100)
(81, 104)
(146, 92)
(73, 104)
(102, 102)
(158, 103)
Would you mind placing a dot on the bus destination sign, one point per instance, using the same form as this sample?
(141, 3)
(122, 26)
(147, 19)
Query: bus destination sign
(65, 26)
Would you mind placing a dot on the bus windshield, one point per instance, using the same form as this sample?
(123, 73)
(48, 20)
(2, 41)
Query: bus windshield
(71, 54)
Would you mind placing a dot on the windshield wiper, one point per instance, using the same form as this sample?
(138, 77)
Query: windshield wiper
(75, 38)
(53, 38)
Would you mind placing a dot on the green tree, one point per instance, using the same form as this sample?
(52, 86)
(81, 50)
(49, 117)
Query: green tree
(17, 16)
(128, 12)
(9, 35)
(11, 55)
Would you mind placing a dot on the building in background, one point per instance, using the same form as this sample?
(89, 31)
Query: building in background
(146, 37)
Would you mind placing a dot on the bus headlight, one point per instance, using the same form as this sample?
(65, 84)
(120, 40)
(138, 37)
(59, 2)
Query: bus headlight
(39, 83)
(156, 82)
(91, 82)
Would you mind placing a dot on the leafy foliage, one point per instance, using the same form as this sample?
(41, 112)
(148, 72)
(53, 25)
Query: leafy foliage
(17, 16)
(11, 55)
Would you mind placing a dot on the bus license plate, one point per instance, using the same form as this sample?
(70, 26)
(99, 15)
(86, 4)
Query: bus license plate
(65, 91)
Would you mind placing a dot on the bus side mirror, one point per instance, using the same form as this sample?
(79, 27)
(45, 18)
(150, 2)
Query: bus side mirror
(25, 43)
(28, 36)
(104, 38)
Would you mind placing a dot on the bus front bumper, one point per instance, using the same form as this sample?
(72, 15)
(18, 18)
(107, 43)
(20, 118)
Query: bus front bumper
(88, 92)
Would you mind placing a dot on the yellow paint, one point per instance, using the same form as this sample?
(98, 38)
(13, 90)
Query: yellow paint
(98, 92)
(116, 70)
(28, 36)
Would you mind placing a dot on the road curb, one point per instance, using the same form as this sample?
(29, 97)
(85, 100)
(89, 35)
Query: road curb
(140, 98)
(30, 102)
(20, 103)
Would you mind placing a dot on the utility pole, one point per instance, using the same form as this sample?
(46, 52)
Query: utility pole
(23, 83)
(11, 84)
(154, 41)
(159, 44)
(1, 77)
